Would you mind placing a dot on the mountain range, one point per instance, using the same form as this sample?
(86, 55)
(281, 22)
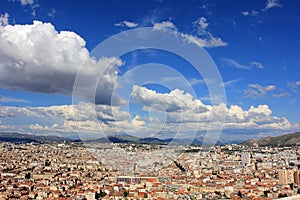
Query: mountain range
(27, 138)
(124, 138)
(291, 139)
(283, 140)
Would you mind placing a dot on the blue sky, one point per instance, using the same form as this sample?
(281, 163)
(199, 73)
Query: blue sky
(254, 44)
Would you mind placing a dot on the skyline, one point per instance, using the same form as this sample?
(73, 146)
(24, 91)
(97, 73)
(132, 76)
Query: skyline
(252, 43)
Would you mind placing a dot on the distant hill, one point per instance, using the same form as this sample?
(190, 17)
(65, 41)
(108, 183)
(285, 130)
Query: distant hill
(122, 138)
(129, 139)
(27, 138)
(291, 139)
(115, 139)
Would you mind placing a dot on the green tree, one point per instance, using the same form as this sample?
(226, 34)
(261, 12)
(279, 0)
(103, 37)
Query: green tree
(100, 194)
(47, 163)
(125, 194)
(281, 195)
(266, 193)
(28, 175)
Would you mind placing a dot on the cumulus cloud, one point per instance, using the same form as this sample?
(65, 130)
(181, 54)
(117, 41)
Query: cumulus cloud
(86, 118)
(138, 121)
(183, 114)
(127, 24)
(80, 112)
(192, 113)
(255, 90)
(38, 58)
(175, 101)
(256, 118)
(6, 112)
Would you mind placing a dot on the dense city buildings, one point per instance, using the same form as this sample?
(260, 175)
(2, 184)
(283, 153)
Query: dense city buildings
(146, 171)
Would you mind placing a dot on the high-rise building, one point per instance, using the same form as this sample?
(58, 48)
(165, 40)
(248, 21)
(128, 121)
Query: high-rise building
(282, 173)
(286, 176)
(297, 177)
(245, 156)
(290, 176)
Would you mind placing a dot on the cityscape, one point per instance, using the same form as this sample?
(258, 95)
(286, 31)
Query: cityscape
(74, 171)
(149, 99)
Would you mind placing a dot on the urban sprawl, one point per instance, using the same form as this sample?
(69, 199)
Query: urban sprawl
(147, 171)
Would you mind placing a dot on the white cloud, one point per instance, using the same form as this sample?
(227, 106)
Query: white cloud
(235, 64)
(245, 13)
(4, 19)
(68, 118)
(38, 58)
(80, 112)
(209, 42)
(137, 121)
(272, 4)
(250, 13)
(203, 38)
(164, 25)
(183, 114)
(127, 24)
(283, 94)
(255, 90)
(6, 112)
(174, 101)
(256, 118)
(26, 2)
(203, 24)
(189, 117)
(257, 65)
